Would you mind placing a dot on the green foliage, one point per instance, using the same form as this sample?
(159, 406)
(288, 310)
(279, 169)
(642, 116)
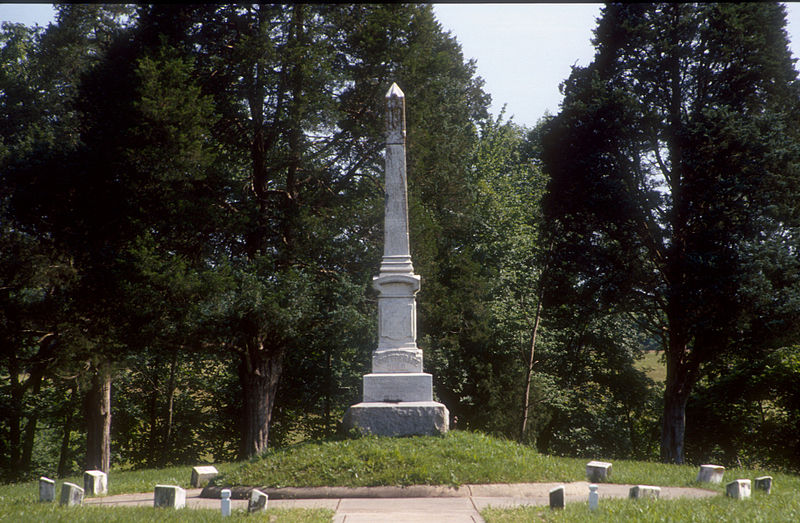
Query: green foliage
(194, 193)
(213, 178)
(752, 406)
(673, 184)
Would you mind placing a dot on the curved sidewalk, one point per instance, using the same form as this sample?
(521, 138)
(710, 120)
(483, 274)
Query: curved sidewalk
(407, 504)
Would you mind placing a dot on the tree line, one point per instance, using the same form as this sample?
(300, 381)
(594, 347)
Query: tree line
(191, 203)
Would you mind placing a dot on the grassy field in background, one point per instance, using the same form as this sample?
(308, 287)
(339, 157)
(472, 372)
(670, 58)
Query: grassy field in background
(454, 459)
(653, 364)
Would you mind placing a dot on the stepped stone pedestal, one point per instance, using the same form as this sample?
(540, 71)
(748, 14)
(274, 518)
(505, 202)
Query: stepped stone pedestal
(398, 395)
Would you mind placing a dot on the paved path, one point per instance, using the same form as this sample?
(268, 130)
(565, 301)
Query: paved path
(410, 504)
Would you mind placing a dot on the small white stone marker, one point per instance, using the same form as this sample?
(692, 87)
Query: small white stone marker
(203, 474)
(764, 483)
(644, 491)
(71, 494)
(225, 504)
(598, 471)
(47, 490)
(594, 497)
(169, 496)
(557, 497)
(738, 489)
(95, 483)
(258, 501)
(710, 473)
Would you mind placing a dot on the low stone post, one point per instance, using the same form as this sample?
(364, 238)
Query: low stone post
(764, 483)
(47, 490)
(644, 491)
(738, 489)
(557, 497)
(202, 475)
(95, 483)
(71, 494)
(710, 473)
(594, 497)
(225, 504)
(597, 471)
(169, 496)
(258, 501)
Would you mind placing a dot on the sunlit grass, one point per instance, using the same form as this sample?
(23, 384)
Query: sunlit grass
(19, 502)
(454, 459)
(653, 364)
(783, 505)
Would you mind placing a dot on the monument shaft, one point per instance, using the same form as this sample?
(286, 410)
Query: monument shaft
(396, 253)
(398, 396)
(397, 284)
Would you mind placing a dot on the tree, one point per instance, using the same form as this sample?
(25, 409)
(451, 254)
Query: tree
(507, 244)
(674, 176)
(39, 85)
(299, 93)
(219, 195)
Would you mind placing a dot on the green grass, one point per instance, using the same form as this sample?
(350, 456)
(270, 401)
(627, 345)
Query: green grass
(19, 502)
(783, 505)
(653, 364)
(89, 514)
(454, 459)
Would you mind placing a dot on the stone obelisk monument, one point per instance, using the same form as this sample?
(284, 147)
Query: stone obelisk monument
(398, 396)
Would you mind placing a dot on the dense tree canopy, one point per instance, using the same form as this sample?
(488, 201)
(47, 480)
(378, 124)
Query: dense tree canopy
(191, 202)
(674, 180)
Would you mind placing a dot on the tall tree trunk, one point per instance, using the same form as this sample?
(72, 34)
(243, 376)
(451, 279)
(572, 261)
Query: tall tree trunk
(68, 414)
(98, 418)
(14, 413)
(154, 393)
(676, 395)
(165, 448)
(526, 400)
(35, 381)
(259, 373)
(328, 393)
(529, 374)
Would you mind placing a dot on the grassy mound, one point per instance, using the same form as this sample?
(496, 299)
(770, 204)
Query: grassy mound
(454, 459)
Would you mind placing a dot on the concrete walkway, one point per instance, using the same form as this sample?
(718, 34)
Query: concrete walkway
(408, 504)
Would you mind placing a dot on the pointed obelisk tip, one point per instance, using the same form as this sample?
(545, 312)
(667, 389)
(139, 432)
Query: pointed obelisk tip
(395, 91)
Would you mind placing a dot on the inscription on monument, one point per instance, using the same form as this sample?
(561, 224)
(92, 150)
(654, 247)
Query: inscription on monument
(397, 361)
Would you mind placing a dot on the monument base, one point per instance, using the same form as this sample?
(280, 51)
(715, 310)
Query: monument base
(407, 418)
